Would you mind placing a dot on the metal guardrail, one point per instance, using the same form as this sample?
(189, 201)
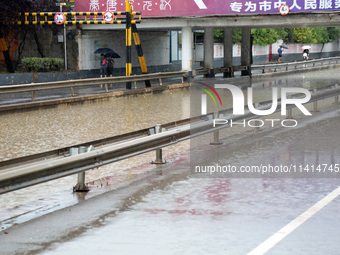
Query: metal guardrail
(271, 67)
(72, 84)
(15, 174)
(295, 65)
(65, 152)
(35, 87)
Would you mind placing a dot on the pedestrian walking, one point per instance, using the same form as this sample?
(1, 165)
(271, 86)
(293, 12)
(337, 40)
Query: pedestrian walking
(280, 50)
(305, 54)
(110, 65)
(103, 66)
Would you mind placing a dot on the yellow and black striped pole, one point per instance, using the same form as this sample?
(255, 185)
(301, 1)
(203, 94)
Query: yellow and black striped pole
(128, 42)
(140, 53)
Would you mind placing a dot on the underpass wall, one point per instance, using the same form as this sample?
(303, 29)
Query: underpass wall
(155, 45)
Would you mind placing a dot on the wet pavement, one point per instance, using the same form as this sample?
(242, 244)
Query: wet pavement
(169, 211)
(174, 212)
(215, 216)
(228, 215)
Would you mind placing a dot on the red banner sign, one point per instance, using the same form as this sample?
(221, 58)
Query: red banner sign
(166, 8)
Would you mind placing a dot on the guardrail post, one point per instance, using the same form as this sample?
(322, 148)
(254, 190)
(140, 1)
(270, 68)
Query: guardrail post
(336, 99)
(229, 72)
(315, 103)
(80, 186)
(159, 157)
(257, 126)
(33, 95)
(290, 113)
(257, 122)
(216, 133)
(188, 77)
(290, 110)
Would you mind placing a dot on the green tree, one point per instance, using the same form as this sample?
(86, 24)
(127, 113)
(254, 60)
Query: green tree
(237, 36)
(267, 36)
(320, 35)
(333, 33)
(219, 35)
(9, 14)
(288, 35)
(303, 35)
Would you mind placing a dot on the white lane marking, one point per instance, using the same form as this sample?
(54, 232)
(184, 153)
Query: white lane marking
(290, 227)
(200, 4)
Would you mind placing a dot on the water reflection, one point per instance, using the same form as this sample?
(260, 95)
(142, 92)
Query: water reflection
(36, 131)
(205, 216)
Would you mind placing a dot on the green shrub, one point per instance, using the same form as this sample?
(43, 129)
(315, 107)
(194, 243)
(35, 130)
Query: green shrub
(42, 64)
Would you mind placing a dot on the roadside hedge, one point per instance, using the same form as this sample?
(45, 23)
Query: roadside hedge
(42, 64)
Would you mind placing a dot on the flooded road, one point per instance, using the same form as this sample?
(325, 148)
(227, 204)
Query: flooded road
(227, 215)
(31, 132)
(188, 216)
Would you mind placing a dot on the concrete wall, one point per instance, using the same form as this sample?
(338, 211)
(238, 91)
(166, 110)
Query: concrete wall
(155, 45)
(26, 78)
(50, 46)
(261, 53)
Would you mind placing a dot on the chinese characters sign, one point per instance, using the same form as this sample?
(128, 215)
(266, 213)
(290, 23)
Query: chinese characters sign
(165, 8)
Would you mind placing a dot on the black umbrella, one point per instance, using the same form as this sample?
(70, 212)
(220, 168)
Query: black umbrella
(284, 46)
(103, 50)
(112, 55)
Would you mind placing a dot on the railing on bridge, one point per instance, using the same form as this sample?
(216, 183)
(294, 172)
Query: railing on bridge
(28, 171)
(295, 65)
(289, 66)
(72, 84)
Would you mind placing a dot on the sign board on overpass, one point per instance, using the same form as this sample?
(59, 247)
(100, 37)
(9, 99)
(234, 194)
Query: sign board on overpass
(166, 8)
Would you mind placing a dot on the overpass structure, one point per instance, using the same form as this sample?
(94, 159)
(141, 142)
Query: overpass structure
(187, 16)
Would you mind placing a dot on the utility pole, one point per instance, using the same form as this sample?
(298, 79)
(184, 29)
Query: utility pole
(65, 51)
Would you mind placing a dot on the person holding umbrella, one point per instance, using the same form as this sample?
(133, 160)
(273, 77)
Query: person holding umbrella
(103, 66)
(305, 53)
(106, 65)
(110, 64)
(280, 50)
